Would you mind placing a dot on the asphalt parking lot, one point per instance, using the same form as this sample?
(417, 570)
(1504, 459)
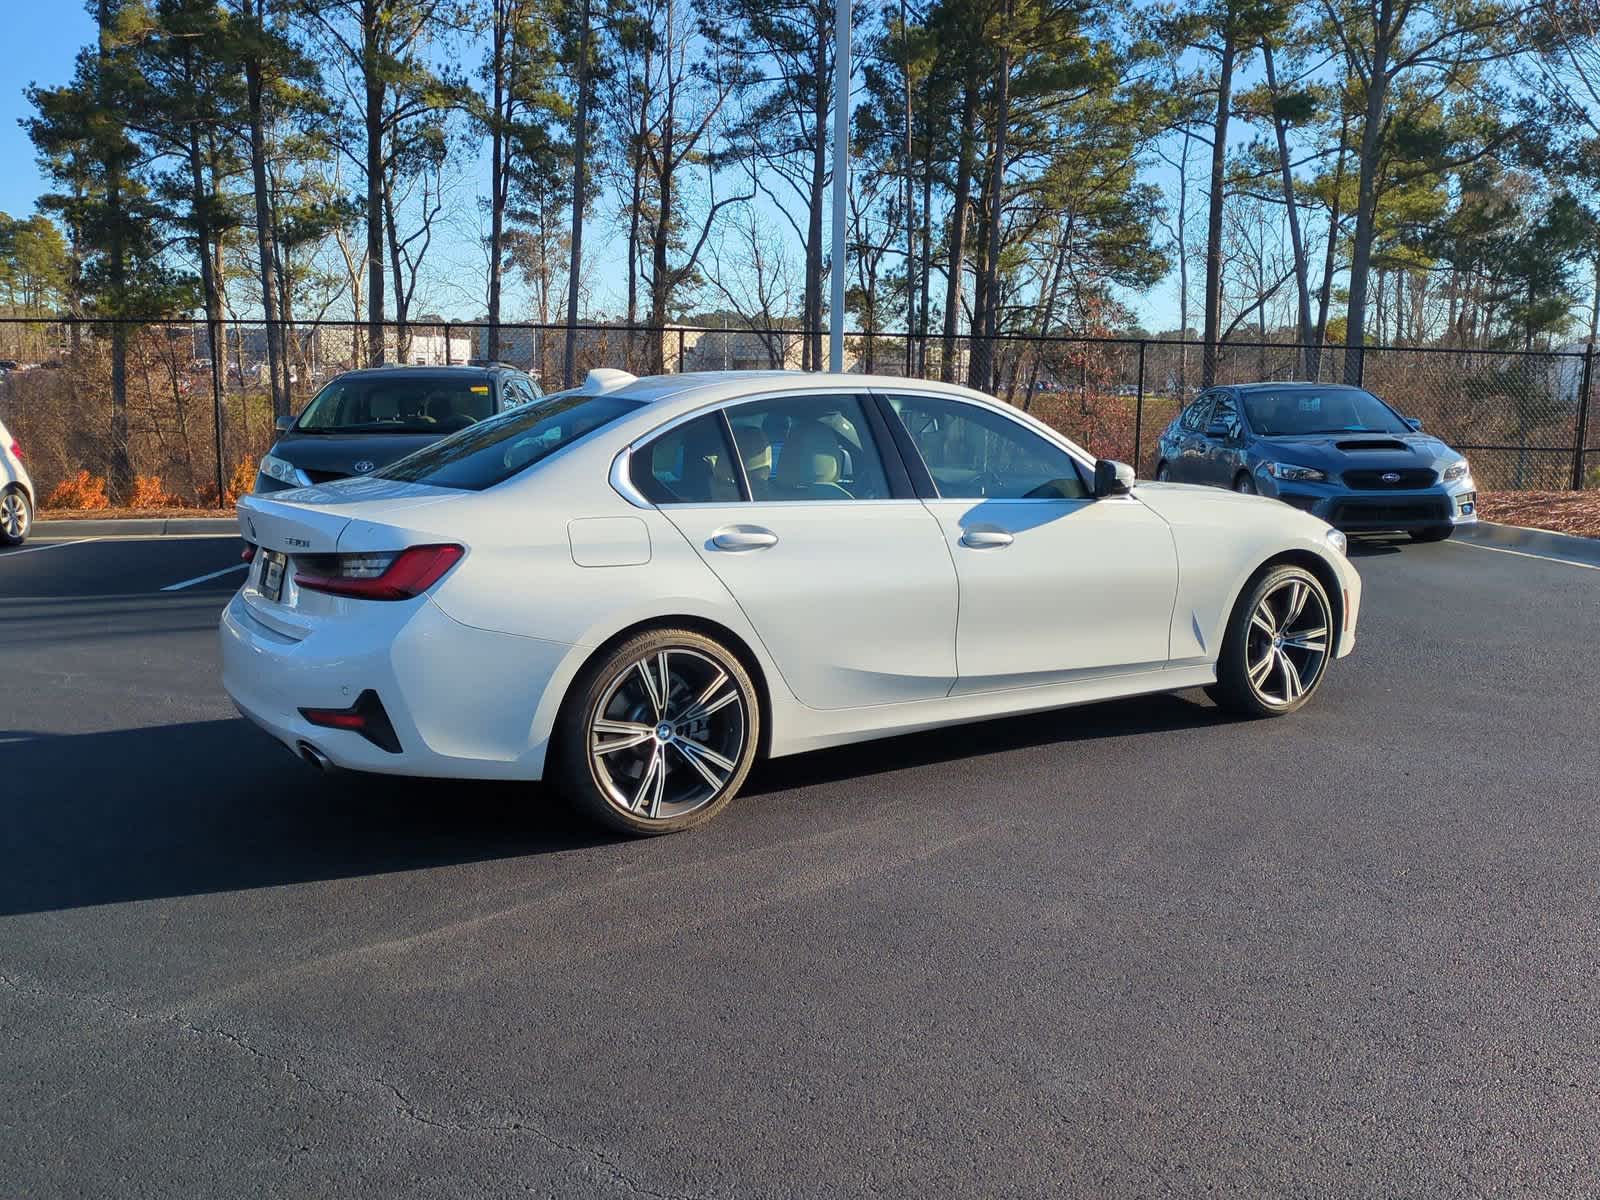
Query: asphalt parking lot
(1128, 950)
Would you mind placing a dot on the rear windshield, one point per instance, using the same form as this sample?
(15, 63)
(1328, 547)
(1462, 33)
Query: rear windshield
(1297, 411)
(398, 404)
(493, 451)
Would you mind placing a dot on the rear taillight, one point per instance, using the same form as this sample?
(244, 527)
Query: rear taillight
(16, 450)
(395, 576)
(249, 552)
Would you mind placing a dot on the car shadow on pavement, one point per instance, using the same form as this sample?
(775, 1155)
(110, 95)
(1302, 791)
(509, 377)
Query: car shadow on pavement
(217, 806)
(205, 806)
(1369, 545)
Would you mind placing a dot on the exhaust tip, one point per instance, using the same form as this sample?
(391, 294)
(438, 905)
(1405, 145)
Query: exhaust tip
(310, 755)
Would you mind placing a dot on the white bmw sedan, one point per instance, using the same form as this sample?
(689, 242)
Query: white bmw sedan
(635, 588)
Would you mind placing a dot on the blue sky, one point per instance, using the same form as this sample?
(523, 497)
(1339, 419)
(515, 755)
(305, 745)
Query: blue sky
(42, 38)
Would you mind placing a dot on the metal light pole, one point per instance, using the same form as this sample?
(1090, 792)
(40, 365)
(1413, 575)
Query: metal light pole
(841, 177)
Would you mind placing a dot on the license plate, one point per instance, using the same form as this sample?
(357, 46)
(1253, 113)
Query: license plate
(272, 565)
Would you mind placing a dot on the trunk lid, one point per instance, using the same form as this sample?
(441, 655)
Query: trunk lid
(313, 520)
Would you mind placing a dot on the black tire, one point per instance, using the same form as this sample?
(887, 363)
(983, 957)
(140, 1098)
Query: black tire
(1245, 645)
(1244, 485)
(619, 689)
(16, 514)
(1163, 472)
(1433, 533)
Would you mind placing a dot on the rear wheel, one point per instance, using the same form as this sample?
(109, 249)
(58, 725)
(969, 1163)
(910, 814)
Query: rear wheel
(659, 734)
(16, 517)
(1433, 533)
(1163, 472)
(1277, 645)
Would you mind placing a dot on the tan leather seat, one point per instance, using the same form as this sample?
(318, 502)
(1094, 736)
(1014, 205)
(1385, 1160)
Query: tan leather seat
(811, 464)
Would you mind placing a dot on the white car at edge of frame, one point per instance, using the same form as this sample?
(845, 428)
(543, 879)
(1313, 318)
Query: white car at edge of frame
(636, 587)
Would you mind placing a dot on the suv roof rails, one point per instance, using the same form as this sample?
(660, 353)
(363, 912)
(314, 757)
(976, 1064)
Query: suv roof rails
(492, 362)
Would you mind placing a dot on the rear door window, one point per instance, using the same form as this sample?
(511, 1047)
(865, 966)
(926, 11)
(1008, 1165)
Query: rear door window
(808, 448)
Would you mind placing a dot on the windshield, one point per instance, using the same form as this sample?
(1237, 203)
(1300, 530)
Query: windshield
(1298, 411)
(398, 404)
(493, 451)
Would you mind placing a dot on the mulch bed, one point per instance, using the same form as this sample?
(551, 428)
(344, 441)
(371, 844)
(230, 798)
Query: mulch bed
(119, 514)
(1559, 512)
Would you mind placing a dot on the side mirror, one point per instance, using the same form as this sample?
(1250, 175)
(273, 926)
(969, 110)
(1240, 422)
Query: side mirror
(284, 424)
(1219, 429)
(1112, 478)
(1414, 422)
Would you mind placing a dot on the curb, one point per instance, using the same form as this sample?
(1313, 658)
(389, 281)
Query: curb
(1539, 542)
(136, 527)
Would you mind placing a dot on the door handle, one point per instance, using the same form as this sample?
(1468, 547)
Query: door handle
(986, 539)
(743, 537)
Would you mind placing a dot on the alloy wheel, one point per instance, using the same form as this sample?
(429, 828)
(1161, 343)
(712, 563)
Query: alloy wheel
(1287, 647)
(13, 515)
(668, 734)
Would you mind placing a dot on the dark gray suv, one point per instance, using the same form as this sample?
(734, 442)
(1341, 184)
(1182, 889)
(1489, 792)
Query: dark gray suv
(1337, 452)
(366, 419)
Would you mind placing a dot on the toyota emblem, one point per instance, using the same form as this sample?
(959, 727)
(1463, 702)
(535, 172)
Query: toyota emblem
(366, 464)
(1387, 476)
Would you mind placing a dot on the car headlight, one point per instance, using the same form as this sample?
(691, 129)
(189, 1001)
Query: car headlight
(1456, 470)
(283, 472)
(1337, 540)
(1296, 473)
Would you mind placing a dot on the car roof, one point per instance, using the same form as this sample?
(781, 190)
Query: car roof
(711, 386)
(441, 370)
(1293, 385)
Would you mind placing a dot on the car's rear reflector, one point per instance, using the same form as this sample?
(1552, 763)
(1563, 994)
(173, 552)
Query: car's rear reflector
(16, 450)
(366, 716)
(398, 576)
(249, 552)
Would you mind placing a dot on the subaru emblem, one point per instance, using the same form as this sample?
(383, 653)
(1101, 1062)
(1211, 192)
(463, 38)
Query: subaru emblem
(366, 464)
(1387, 476)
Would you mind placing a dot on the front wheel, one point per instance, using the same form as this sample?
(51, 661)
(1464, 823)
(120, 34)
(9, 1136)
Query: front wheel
(658, 735)
(1433, 533)
(1244, 485)
(1277, 646)
(16, 517)
(1163, 473)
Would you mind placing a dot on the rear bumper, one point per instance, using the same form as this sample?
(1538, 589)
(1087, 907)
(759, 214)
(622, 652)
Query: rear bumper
(1373, 512)
(463, 701)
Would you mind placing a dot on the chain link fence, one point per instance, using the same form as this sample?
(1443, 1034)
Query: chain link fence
(191, 429)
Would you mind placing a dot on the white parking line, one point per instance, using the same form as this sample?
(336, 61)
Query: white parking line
(178, 587)
(1570, 562)
(49, 546)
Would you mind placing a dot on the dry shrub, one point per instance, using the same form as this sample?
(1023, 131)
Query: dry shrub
(241, 481)
(148, 493)
(80, 491)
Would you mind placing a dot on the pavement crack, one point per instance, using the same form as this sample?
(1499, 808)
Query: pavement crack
(403, 1106)
(522, 1126)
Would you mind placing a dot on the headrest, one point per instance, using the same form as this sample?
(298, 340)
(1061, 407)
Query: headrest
(810, 455)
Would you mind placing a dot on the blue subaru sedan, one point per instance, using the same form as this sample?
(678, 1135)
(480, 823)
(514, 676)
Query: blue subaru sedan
(1337, 452)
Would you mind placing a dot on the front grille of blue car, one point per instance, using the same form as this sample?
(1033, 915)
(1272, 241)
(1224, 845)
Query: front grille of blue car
(1406, 477)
